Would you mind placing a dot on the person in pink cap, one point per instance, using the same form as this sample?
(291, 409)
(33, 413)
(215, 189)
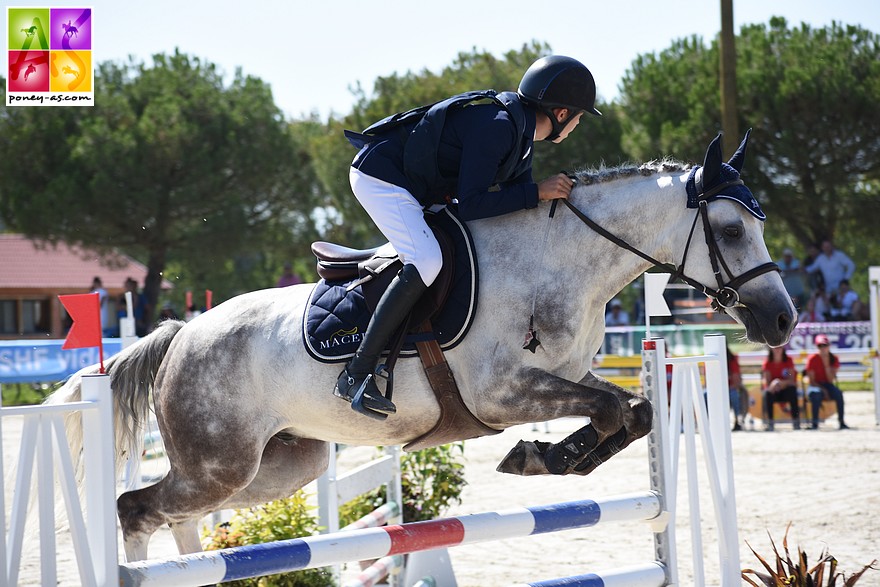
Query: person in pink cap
(822, 370)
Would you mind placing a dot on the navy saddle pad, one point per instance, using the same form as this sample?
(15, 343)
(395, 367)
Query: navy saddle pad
(339, 311)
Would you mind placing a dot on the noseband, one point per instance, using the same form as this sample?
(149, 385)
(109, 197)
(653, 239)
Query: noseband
(723, 298)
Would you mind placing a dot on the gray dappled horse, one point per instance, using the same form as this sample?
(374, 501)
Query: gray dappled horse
(246, 415)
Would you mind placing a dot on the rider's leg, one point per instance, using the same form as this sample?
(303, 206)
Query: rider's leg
(392, 309)
(399, 217)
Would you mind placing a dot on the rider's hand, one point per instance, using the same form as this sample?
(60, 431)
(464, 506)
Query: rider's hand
(555, 187)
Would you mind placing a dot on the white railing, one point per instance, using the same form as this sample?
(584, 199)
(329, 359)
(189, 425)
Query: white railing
(44, 441)
(336, 488)
(686, 411)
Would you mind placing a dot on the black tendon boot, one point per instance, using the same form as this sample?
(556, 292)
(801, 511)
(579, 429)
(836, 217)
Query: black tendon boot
(358, 380)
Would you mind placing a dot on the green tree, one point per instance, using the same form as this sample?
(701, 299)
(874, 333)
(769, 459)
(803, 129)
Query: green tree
(810, 95)
(170, 166)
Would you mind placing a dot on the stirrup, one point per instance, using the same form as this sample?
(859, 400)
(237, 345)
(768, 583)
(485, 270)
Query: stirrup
(357, 402)
(358, 396)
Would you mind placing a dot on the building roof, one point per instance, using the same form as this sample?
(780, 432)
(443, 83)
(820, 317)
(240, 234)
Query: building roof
(26, 263)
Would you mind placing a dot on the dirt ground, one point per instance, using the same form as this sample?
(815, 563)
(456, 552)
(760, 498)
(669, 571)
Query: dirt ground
(825, 482)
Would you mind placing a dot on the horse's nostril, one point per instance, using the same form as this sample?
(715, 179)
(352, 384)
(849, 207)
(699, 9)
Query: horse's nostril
(783, 322)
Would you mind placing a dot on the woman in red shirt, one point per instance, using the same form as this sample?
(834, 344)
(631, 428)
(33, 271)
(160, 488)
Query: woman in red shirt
(734, 384)
(779, 382)
(822, 370)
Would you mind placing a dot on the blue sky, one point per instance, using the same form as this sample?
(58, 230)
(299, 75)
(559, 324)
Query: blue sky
(313, 52)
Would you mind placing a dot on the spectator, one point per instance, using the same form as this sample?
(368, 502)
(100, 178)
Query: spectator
(779, 384)
(792, 278)
(834, 265)
(191, 312)
(814, 280)
(288, 277)
(616, 316)
(816, 309)
(846, 304)
(104, 301)
(822, 372)
(735, 390)
(167, 313)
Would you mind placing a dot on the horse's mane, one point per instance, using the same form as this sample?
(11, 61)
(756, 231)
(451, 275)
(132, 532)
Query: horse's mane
(604, 174)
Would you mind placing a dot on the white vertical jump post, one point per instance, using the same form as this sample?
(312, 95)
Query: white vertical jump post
(874, 294)
(335, 489)
(686, 403)
(43, 436)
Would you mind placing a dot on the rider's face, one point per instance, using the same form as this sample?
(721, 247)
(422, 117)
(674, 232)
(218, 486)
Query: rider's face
(561, 115)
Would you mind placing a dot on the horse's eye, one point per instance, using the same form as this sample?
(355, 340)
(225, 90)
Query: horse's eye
(732, 231)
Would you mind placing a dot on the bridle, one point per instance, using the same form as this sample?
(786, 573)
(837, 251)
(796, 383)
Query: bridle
(726, 295)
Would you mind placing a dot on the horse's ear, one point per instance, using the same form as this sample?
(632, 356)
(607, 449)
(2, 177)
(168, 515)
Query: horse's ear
(739, 157)
(712, 162)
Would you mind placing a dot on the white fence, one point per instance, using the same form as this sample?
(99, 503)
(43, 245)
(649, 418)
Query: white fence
(96, 547)
(93, 528)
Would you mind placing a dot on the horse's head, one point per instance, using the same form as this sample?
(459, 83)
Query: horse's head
(737, 270)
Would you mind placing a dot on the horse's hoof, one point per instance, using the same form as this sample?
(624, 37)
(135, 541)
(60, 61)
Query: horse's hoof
(526, 458)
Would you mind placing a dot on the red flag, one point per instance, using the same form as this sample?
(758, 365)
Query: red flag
(85, 311)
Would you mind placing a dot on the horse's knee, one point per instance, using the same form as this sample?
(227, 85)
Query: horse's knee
(606, 414)
(642, 417)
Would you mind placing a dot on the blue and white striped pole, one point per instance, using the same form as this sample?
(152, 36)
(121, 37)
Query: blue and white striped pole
(372, 543)
(647, 575)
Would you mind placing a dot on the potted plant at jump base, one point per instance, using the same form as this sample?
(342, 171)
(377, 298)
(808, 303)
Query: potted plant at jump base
(799, 573)
(432, 480)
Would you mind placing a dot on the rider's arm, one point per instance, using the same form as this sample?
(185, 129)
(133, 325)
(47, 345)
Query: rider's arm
(483, 151)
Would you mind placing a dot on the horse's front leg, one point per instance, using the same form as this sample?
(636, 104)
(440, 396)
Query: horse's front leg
(542, 396)
(638, 417)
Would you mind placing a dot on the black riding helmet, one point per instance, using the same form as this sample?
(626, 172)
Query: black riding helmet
(556, 81)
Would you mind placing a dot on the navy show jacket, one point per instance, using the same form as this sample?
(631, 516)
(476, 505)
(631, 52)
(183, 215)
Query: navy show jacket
(474, 143)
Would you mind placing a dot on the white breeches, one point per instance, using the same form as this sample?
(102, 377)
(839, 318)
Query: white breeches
(399, 217)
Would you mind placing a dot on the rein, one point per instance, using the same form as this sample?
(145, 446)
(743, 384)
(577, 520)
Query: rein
(723, 298)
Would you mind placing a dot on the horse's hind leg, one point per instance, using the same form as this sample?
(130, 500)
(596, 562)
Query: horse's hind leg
(287, 465)
(186, 536)
(194, 486)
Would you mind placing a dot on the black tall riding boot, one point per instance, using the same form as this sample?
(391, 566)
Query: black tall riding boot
(393, 307)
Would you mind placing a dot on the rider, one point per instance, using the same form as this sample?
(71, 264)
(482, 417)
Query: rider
(468, 157)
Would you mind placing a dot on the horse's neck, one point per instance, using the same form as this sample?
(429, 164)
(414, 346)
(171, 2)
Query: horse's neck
(562, 264)
(646, 212)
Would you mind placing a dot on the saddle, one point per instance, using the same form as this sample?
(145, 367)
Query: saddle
(353, 281)
(373, 269)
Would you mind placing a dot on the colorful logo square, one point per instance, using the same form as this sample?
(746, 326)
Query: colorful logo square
(49, 57)
(28, 71)
(71, 29)
(71, 71)
(28, 29)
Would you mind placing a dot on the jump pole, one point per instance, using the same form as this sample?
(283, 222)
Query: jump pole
(372, 543)
(874, 294)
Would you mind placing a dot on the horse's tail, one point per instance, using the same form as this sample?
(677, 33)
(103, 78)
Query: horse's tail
(132, 374)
